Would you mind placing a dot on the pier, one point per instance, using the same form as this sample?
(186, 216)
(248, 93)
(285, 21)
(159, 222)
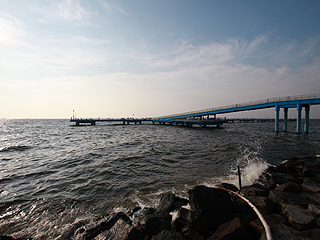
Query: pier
(208, 117)
(92, 121)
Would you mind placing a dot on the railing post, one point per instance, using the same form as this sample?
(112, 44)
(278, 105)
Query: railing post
(306, 121)
(276, 121)
(285, 119)
(299, 108)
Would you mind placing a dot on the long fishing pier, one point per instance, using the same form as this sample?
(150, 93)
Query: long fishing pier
(208, 117)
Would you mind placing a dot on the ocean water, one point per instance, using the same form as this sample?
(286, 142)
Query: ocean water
(54, 175)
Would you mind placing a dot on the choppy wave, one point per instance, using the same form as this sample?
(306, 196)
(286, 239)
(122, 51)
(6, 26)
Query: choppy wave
(18, 148)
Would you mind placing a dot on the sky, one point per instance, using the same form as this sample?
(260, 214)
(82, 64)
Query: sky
(148, 58)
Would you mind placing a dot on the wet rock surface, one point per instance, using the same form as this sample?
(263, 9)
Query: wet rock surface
(289, 200)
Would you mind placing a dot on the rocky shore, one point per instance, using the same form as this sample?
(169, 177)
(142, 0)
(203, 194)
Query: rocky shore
(288, 197)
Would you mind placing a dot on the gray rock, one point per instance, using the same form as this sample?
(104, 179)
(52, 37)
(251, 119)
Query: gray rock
(279, 197)
(298, 217)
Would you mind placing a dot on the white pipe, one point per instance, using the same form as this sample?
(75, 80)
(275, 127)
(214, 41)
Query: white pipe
(263, 221)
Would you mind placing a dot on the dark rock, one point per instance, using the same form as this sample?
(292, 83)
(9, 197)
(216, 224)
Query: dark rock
(92, 230)
(168, 235)
(311, 196)
(124, 231)
(318, 222)
(69, 231)
(214, 204)
(282, 231)
(298, 217)
(192, 219)
(281, 178)
(311, 187)
(270, 219)
(229, 186)
(166, 203)
(314, 208)
(132, 210)
(255, 190)
(263, 204)
(190, 234)
(279, 197)
(243, 210)
(150, 222)
(313, 234)
(179, 201)
(289, 187)
(6, 238)
(230, 231)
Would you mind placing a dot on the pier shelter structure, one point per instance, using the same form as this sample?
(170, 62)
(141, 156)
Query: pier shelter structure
(299, 102)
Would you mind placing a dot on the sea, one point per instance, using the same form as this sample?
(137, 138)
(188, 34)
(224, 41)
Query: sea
(54, 174)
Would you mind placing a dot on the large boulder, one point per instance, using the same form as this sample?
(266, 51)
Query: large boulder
(214, 204)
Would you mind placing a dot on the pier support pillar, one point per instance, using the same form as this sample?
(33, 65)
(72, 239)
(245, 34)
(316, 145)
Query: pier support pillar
(208, 117)
(285, 119)
(299, 108)
(307, 117)
(276, 121)
(215, 117)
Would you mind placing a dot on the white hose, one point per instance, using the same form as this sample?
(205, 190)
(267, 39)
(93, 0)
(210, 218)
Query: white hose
(264, 222)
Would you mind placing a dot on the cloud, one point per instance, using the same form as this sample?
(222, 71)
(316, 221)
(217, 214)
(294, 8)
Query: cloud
(11, 28)
(73, 11)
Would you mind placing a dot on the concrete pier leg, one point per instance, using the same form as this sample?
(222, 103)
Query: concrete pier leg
(285, 119)
(299, 108)
(307, 117)
(276, 121)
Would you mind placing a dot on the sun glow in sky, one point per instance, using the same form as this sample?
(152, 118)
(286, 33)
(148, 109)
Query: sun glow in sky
(150, 58)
